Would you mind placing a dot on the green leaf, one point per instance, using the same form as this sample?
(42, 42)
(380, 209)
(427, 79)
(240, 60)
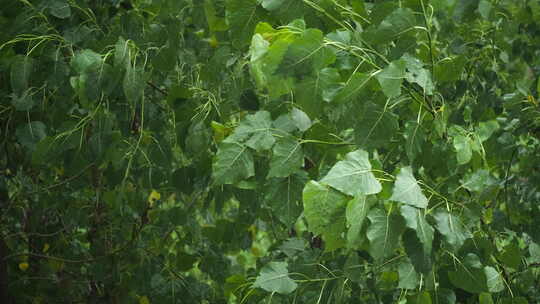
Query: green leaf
(30, 134)
(469, 276)
(452, 228)
(272, 5)
(408, 278)
(133, 83)
(420, 298)
(485, 298)
(399, 22)
(486, 129)
(534, 252)
(300, 119)
(511, 255)
(407, 191)
(307, 54)
(287, 157)
(21, 69)
(215, 23)
(449, 69)
(284, 196)
(383, 233)
(60, 9)
(462, 144)
(418, 245)
(255, 131)
(445, 296)
(353, 175)
(356, 213)
(233, 163)
(121, 54)
(478, 181)
(376, 127)
(24, 102)
(391, 77)
(415, 137)
(352, 88)
(415, 73)
(259, 47)
(293, 246)
(242, 16)
(324, 209)
(274, 277)
(312, 91)
(84, 60)
(495, 281)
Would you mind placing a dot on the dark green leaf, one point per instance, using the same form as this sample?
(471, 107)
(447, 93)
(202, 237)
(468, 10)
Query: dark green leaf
(324, 209)
(284, 196)
(21, 69)
(383, 233)
(30, 134)
(242, 16)
(287, 157)
(60, 9)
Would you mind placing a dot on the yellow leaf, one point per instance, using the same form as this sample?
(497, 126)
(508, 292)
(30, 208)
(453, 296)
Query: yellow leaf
(153, 197)
(46, 247)
(144, 300)
(23, 266)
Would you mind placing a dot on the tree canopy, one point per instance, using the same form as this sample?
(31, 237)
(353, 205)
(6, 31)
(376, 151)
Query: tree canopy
(270, 151)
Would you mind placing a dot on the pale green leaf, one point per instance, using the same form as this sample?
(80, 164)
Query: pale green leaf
(353, 175)
(300, 119)
(494, 279)
(407, 191)
(259, 47)
(274, 277)
(233, 163)
(272, 5)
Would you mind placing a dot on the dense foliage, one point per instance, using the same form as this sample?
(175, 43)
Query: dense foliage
(270, 151)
